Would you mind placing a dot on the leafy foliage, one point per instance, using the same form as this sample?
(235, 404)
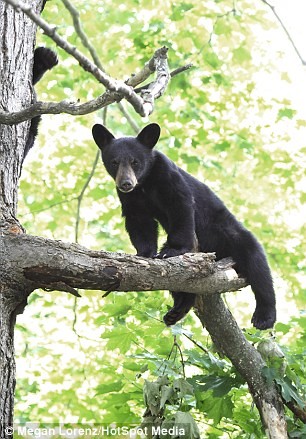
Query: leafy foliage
(234, 121)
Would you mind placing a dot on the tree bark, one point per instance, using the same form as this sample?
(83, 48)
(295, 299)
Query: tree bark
(42, 263)
(17, 39)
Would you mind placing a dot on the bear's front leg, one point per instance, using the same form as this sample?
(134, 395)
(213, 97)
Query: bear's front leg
(143, 234)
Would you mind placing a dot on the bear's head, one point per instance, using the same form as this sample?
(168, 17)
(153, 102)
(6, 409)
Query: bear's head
(127, 159)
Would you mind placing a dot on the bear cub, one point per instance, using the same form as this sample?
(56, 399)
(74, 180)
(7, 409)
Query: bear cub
(152, 190)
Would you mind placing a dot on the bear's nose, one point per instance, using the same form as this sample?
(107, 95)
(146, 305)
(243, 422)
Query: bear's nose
(126, 186)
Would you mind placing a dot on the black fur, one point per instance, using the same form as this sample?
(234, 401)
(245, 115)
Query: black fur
(44, 59)
(152, 190)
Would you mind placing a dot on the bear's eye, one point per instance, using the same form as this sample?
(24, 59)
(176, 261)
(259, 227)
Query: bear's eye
(134, 162)
(114, 162)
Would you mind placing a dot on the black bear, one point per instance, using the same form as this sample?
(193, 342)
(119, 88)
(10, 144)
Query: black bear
(44, 59)
(152, 190)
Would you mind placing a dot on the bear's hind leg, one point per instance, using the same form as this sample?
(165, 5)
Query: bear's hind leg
(183, 302)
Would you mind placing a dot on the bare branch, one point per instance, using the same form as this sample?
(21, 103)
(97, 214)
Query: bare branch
(172, 74)
(296, 410)
(151, 66)
(79, 30)
(70, 107)
(73, 108)
(303, 61)
(157, 88)
(116, 89)
(115, 86)
(181, 69)
(86, 43)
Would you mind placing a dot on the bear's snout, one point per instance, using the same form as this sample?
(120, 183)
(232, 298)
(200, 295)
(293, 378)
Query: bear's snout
(126, 186)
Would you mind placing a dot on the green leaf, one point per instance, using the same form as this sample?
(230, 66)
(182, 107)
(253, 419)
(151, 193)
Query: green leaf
(212, 59)
(241, 55)
(286, 112)
(151, 397)
(109, 387)
(222, 27)
(179, 10)
(167, 394)
(185, 426)
(215, 408)
(289, 392)
(183, 387)
(119, 338)
(220, 386)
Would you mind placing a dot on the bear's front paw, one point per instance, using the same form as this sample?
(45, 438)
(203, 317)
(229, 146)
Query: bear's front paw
(168, 252)
(147, 253)
(264, 318)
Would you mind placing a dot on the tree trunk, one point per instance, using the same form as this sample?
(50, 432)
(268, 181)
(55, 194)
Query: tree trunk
(17, 39)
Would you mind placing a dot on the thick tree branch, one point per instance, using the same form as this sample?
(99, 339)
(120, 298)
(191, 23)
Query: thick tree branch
(65, 106)
(65, 267)
(230, 341)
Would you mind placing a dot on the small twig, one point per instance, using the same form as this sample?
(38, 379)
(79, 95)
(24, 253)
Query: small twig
(81, 195)
(78, 216)
(181, 69)
(80, 32)
(233, 12)
(86, 43)
(303, 61)
(130, 120)
(172, 74)
(206, 351)
(58, 203)
(181, 356)
(296, 410)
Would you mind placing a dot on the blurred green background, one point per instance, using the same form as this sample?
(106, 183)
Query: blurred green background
(236, 121)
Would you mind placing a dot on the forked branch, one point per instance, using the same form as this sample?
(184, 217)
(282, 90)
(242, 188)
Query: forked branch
(116, 90)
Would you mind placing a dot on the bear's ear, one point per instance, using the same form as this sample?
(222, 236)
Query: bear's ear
(149, 135)
(101, 135)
